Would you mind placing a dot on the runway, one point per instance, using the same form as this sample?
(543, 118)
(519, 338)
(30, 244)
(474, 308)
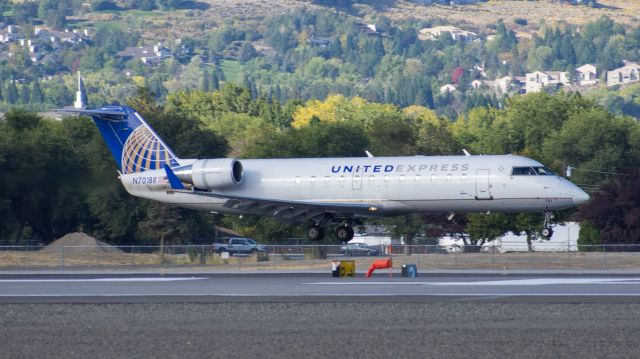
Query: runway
(275, 287)
(314, 316)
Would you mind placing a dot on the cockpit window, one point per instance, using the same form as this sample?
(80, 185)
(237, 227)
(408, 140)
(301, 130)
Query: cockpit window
(531, 171)
(544, 171)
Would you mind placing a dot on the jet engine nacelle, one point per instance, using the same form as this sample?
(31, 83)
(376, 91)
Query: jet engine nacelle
(212, 173)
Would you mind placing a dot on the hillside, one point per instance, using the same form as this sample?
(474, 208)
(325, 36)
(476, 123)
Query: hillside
(622, 11)
(198, 21)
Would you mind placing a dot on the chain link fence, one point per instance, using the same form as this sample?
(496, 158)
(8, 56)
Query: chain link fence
(317, 257)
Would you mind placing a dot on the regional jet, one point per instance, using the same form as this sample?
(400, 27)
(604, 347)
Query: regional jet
(319, 191)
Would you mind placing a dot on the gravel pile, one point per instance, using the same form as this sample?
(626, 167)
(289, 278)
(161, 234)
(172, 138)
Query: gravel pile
(81, 242)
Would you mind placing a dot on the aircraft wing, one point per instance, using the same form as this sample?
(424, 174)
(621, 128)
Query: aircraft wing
(290, 211)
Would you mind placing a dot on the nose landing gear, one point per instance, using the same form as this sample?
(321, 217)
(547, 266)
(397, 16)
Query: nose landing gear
(546, 232)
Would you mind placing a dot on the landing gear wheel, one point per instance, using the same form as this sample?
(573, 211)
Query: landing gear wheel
(546, 231)
(315, 232)
(345, 234)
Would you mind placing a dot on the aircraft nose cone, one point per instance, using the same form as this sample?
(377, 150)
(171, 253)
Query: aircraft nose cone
(580, 197)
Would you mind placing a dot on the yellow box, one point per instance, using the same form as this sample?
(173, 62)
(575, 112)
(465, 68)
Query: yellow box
(347, 268)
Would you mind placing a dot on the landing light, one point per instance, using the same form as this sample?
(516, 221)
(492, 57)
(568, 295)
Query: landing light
(373, 209)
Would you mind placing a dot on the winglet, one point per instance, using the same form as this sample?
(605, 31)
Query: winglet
(173, 179)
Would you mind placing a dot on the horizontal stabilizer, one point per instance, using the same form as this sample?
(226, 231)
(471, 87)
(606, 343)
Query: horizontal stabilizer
(108, 115)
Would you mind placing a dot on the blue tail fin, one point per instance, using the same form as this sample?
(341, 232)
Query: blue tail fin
(133, 143)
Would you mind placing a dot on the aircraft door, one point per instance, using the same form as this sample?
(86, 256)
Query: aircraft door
(357, 181)
(483, 187)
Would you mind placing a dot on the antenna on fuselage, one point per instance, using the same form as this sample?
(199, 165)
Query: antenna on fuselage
(466, 153)
(368, 154)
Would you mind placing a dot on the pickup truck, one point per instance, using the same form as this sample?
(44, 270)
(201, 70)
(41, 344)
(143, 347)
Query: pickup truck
(239, 246)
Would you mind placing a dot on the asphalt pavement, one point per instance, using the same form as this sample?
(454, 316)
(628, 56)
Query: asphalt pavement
(315, 316)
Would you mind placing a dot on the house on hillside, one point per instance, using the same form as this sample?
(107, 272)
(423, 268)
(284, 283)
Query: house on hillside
(448, 88)
(586, 75)
(628, 73)
(148, 55)
(318, 41)
(503, 85)
(74, 37)
(476, 84)
(456, 34)
(536, 81)
(369, 29)
(9, 34)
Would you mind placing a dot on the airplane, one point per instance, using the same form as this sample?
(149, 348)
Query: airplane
(328, 190)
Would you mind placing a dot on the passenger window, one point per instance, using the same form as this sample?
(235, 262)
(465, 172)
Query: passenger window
(326, 179)
(401, 178)
(433, 178)
(341, 178)
(313, 179)
(463, 177)
(386, 178)
(417, 178)
(372, 178)
(449, 177)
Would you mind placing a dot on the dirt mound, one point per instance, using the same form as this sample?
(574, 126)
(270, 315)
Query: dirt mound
(80, 242)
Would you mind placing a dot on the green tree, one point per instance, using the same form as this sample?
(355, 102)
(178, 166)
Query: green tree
(25, 94)
(484, 228)
(588, 238)
(315, 140)
(206, 81)
(37, 97)
(41, 174)
(406, 227)
(24, 12)
(54, 12)
(593, 141)
(12, 92)
(162, 223)
(528, 224)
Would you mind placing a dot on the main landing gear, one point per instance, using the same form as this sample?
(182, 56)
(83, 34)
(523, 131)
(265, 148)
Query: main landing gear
(315, 232)
(344, 232)
(546, 232)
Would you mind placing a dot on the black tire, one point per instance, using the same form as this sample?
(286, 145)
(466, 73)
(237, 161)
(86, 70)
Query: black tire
(351, 233)
(344, 234)
(546, 233)
(315, 233)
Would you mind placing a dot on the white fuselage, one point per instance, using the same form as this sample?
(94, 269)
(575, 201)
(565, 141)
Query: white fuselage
(397, 185)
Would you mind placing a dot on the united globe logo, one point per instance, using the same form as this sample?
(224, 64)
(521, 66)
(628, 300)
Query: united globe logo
(143, 151)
